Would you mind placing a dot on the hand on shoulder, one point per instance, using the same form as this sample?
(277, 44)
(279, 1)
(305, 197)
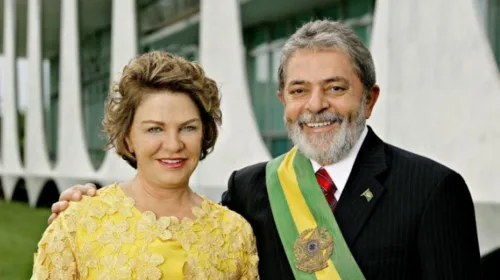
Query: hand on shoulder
(74, 193)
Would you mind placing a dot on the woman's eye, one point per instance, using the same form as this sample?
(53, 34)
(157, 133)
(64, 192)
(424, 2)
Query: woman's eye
(189, 128)
(154, 129)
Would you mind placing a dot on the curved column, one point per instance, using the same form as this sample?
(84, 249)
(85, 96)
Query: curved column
(73, 162)
(34, 186)
(379, 47)
(12, 168)
(222, 56)
(123, 49)
(488, 228)
(36, 156)
(444, 95)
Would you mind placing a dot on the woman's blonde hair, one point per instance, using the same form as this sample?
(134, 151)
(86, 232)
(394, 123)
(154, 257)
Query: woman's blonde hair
(159, 71)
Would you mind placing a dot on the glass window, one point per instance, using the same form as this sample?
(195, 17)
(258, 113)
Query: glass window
(52, 114)
(489, 13)
(156, 14)
(280, 146)
(276, 55)
(95, 61)
(493, 27)
(262, 67)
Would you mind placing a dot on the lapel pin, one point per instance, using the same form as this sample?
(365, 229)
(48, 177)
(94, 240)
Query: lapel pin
(368, 195)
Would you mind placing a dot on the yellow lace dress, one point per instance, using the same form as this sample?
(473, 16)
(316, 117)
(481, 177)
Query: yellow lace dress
(106, 237)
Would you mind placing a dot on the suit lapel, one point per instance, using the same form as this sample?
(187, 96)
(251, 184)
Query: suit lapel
(362, 191)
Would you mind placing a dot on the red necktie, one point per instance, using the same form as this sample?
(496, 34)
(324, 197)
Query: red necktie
(327, 186)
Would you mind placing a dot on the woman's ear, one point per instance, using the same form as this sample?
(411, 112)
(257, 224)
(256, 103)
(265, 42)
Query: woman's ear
(129, 143)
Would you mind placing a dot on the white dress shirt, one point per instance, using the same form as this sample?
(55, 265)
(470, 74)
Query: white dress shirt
(340, 171)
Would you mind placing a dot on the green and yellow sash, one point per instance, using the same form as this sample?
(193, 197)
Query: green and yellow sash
(305, 222)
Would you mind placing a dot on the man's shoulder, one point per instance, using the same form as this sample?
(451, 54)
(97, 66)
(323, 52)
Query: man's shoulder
(246, 182)
(251, 173)
(402, 160)
(245, 186)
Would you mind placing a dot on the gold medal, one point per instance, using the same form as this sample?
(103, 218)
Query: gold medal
(313, 249)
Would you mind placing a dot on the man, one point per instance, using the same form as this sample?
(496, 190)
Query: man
(396, 215)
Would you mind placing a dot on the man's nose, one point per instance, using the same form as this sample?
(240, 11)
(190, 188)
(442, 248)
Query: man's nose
(317, 101)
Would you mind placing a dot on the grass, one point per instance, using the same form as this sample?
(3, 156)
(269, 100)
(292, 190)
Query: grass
(21, 227)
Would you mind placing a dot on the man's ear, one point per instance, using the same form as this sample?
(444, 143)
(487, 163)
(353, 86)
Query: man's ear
(371, 99)
(281, 98)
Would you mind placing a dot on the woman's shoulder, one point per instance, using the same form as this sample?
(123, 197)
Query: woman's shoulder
(228, 219)
(108, 196)
(113, 189)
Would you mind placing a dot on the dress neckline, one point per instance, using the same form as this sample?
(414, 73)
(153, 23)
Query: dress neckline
(198, 211)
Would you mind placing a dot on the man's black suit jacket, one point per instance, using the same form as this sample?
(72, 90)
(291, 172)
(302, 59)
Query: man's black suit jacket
(490, 264)
(420, 223)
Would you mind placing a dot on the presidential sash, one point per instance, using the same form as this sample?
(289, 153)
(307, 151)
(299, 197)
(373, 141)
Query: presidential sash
(308, 231)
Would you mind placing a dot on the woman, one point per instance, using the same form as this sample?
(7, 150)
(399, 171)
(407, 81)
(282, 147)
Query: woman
(162, 118)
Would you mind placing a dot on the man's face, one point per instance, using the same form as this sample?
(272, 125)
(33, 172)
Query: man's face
(325, 103)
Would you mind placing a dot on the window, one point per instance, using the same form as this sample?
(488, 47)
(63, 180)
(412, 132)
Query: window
(153, 15)
(52, 112)
(95, 64)
(489, 11)
(493, 27)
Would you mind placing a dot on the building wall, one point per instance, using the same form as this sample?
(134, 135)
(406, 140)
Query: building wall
(440, 94)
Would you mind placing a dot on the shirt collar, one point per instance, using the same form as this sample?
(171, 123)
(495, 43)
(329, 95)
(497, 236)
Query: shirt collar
(340, 171)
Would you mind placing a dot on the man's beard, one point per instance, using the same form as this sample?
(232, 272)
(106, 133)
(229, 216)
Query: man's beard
(328, 147)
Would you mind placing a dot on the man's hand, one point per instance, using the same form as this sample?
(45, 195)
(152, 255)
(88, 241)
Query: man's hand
(72, 194)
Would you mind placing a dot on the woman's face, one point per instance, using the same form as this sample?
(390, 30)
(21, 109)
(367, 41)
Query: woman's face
(166, 136)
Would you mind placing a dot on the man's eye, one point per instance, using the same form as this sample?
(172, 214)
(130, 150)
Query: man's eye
(337, 88)
(297, 91)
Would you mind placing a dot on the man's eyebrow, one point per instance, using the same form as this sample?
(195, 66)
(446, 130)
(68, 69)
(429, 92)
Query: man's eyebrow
(296, 82)
(324, 81)
(335, 79)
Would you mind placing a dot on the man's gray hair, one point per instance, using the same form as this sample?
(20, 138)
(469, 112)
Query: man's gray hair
(328, 34)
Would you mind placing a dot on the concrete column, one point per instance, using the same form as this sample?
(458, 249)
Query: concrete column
(123, 49)
(10, 138)
(443, 93)
(379, 47)
(36, 156)
(73, 165)
(222, 56)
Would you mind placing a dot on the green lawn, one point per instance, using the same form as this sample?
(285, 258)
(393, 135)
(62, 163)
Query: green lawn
(21, 228)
